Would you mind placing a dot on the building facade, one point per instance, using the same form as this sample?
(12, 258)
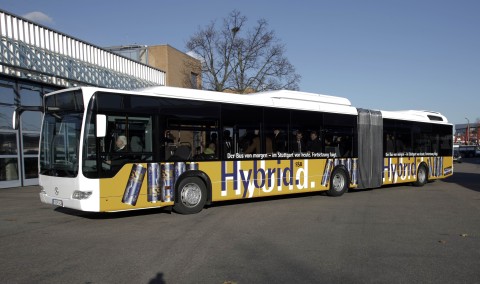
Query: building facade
(473, 136)
(35, 60)
(182, 70)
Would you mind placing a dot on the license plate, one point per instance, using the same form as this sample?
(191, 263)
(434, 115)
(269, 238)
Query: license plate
(57, 202)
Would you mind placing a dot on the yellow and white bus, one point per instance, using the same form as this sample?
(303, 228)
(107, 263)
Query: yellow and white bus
(105, 150)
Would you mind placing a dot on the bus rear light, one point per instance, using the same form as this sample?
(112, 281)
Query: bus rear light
(81, 194)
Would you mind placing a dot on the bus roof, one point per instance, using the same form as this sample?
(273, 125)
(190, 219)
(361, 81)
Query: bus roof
(416, 115)
(279, 99)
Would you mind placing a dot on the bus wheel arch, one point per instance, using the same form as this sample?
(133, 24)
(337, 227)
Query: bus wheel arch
(338, 182)
(422, 175)
(190, 195)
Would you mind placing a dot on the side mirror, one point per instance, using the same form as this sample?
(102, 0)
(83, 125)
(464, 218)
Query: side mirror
(101, 125)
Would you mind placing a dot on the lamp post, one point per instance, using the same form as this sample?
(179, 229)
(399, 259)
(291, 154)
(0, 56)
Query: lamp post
(467, 134)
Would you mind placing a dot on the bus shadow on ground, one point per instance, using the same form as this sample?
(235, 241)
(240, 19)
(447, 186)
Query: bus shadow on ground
(267, 198)
(113, 215)
(168, 210)
(467, 180)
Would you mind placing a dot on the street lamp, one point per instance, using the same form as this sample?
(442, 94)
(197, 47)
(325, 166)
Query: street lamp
(467, 140)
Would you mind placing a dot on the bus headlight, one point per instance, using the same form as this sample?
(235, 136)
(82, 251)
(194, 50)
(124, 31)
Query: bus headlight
(81, 194)
(42, 190)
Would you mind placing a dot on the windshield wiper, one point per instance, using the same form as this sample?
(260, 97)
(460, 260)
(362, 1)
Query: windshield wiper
(45, 171)
(56, 116)
(66, 173)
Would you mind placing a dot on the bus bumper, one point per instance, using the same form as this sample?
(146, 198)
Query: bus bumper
(83, 205)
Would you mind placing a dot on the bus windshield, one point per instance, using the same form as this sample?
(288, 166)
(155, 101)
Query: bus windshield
(60, 138)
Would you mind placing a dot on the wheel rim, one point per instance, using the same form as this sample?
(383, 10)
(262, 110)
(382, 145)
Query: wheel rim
(422, 175)
(191, 195)
(338, 182)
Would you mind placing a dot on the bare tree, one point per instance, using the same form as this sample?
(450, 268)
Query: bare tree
(242, 60)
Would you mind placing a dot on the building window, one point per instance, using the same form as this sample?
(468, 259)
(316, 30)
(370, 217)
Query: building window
(194, 80)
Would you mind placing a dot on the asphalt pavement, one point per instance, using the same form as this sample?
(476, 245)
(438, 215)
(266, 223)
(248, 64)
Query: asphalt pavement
(395, 234)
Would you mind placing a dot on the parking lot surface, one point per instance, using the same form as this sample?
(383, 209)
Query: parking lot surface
(395, 234)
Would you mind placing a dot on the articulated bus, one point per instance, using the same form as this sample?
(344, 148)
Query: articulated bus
(104, 150)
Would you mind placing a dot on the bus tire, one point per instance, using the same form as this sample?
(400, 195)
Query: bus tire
(422, 176)
(338, 182)
(191, 196)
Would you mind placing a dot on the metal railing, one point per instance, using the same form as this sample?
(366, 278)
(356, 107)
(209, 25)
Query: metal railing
(31, 51)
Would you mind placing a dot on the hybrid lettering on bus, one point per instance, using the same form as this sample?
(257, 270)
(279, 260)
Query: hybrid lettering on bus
(106, 150)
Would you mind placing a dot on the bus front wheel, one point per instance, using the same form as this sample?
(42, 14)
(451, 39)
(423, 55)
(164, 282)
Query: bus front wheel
(338, 183)
(422, 176)
(191, 196)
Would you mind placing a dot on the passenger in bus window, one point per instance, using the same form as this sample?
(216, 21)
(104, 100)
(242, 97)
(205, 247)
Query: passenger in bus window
(268, 145)
(390, 144)
(255, 145)
(328, 141)
(121, 144)
(209, 152)
(198, 151)
(136, 144)
(118, 157)
(213, 138)
(314, 144)
(279, 142)
(344, 146)
(399, 145)
(168, 137)
(298, 145)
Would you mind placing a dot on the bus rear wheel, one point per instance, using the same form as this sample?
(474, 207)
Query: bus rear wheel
(338, 183)
(422, 176)
(191, 196)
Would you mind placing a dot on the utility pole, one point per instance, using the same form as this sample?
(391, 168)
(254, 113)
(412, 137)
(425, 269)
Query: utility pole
(467, 134)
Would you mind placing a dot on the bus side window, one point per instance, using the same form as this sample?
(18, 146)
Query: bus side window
(139, 134)
(276, 128)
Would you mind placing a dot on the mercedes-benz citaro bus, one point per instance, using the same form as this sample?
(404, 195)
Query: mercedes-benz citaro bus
(106, 150)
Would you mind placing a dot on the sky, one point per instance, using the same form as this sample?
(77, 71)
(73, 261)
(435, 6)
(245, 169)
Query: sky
(380, 54)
